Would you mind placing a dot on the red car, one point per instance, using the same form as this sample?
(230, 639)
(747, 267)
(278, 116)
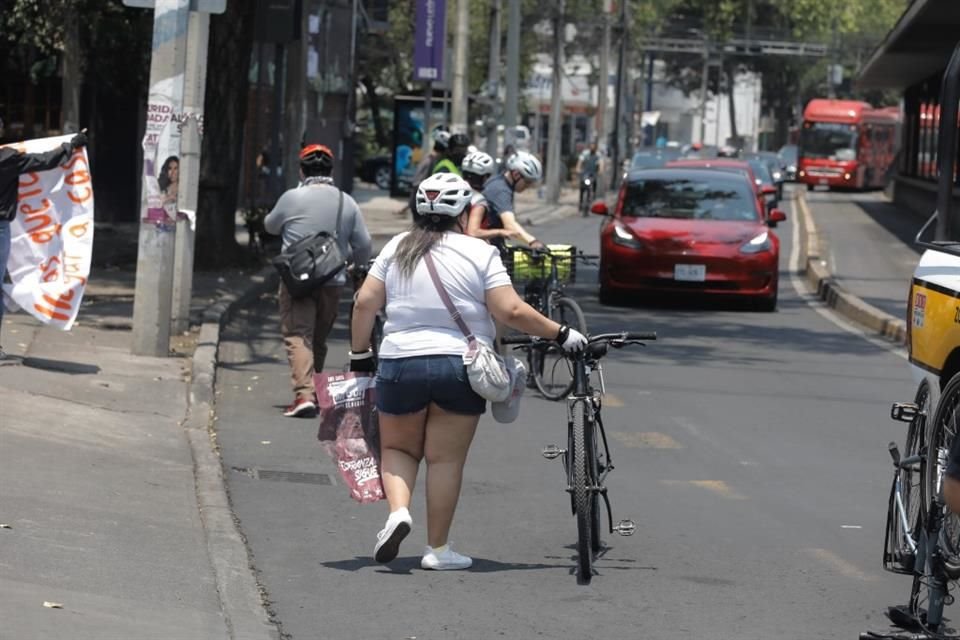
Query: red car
(766, 193)
(689, 230)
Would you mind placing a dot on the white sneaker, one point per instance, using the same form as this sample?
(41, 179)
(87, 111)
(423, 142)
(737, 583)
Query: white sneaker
(444, 561)
(394, 531)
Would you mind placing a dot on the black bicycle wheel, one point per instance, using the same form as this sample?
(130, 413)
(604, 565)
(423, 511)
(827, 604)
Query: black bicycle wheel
(943, 430)
(580, 478)
(552, 373)
(591, 438)
(911, 480)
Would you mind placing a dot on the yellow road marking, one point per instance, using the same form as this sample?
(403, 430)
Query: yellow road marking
(646, 440)
(610, 400)
(718, 487)
(842, 566)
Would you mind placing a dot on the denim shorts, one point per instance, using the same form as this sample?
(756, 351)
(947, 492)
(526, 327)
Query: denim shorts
(408, 385)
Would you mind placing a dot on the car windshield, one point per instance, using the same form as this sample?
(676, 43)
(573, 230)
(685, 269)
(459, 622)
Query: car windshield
(788, 155)
(689, 198)
(646, 161)
(829, 140)
(761, 170)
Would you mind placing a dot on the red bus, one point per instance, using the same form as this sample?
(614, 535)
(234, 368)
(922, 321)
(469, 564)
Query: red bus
(846, 143)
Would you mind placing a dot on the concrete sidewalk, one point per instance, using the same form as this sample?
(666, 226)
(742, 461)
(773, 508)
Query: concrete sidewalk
(116, 518)
(860, 256)
(114, 504)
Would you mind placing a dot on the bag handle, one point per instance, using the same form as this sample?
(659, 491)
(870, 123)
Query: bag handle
(447, 302)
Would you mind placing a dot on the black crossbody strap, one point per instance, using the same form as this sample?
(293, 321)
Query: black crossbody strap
(336, 232)
(447, 302)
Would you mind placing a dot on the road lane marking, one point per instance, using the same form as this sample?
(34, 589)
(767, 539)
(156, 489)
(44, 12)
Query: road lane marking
(646, 440)
(610, 400)
(718, 487)
(850, 526)
(839, 564)
(801, 288)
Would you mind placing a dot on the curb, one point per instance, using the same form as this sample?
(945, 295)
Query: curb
(822, 281)
(241, 603)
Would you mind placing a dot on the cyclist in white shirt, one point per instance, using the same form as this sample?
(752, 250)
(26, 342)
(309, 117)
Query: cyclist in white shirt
(426, 405)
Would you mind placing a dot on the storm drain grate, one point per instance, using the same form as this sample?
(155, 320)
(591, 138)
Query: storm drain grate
(294, 476)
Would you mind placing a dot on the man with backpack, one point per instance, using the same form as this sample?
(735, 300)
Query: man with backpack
(317, 205)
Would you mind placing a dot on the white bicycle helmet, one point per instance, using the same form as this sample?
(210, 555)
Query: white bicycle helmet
(446, 194)
(527, 165)
(479, 163)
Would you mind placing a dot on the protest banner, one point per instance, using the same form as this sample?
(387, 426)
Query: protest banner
(51, 238)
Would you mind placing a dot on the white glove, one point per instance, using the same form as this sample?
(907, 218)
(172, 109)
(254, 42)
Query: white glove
(571, 339)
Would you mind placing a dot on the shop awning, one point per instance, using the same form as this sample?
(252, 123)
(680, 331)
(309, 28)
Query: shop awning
(918, 46)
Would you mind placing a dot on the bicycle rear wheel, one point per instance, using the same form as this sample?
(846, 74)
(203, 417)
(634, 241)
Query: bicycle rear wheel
(582, 496)
(551, 371)
(900, 555)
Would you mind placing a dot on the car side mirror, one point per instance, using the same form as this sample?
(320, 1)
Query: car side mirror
(768, 190)
(600, 208)
(775, 216)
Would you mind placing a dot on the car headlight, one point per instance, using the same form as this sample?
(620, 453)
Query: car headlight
(758, 244)
(624, 237)
(777, 176)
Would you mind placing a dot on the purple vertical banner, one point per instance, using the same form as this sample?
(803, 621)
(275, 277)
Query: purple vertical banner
(430, 40)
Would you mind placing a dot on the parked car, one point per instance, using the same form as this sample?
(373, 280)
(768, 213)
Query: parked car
(731, 165)
(376, 170)
(689, 230)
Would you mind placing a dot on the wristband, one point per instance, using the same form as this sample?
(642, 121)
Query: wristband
(563, 334)
(363, 355)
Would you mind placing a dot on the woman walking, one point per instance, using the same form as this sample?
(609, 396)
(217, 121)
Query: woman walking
(427, 408)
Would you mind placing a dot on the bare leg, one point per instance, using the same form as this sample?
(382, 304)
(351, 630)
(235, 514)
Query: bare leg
(401, 449)
(448, 438)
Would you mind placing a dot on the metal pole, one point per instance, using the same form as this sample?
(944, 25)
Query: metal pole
(427, 142)
(703, 95)
(618, 107)
(556, 109)
(603, 86)
(276, 180)
(458, 110)
(493, 78)
(510, 113)
(198, 33)
(155, 257)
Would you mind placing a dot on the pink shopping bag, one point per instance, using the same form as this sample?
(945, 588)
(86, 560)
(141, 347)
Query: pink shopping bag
(349, 431)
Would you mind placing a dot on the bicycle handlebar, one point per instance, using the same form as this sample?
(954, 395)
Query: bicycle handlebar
(613, 338)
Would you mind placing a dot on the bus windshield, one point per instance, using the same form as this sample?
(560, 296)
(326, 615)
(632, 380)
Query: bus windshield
(829, 140)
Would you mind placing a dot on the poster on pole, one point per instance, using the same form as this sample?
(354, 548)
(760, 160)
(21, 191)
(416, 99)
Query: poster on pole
(430, 40)
(409, 138)
(51, 238)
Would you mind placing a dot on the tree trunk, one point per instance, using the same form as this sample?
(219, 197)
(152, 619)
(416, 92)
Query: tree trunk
(72, 79)
(731, 70)
(231, 43)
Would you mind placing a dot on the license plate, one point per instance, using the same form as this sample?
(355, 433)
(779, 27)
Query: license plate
(824, 181)
(690, 272)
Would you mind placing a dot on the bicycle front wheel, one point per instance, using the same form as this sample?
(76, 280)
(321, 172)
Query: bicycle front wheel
(582, 496)
(552, 373)
(942, 433)
(914, 509)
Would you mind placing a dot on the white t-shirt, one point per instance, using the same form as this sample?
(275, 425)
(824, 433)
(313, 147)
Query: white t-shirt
(418, 323)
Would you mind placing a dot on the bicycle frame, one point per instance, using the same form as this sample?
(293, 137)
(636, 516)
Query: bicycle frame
(584, 392)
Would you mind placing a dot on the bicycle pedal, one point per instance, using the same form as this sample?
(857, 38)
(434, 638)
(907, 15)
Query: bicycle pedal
(904, 411)
(625, 528)
(552, 451)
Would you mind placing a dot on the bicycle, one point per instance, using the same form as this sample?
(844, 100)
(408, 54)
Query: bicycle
(358, 274)
(586, 464)
(545, 292)
(923, 537)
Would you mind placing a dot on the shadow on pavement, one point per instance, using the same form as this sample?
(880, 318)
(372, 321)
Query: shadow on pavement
(61, 366)
(899, 223)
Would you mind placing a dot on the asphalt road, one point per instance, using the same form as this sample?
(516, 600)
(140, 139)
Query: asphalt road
(750, 450)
